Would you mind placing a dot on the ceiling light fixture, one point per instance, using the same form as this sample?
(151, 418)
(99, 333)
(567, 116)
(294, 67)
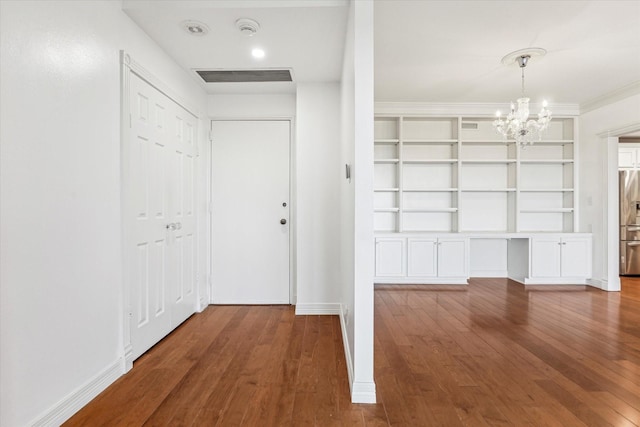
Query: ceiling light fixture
(247, 27)
(517, 125)
(195, 28)
(257, 53)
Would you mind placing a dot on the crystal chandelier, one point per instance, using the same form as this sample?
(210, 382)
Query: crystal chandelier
(517, 124)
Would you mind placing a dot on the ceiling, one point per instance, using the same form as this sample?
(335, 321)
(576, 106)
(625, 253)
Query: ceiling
(306, 36)
(425, 51)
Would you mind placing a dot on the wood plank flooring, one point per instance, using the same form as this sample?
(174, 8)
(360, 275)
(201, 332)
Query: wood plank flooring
(491, 353)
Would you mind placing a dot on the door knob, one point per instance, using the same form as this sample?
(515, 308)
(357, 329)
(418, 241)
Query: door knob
(283, 221)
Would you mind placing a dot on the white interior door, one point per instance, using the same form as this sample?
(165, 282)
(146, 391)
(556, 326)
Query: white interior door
(250, 212)
(158, 187)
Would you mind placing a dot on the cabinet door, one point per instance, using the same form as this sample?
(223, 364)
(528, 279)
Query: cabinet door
(627, 157)
(452, 258)
(422, 257)
(575, 257)
(545, 257)
(390, 257)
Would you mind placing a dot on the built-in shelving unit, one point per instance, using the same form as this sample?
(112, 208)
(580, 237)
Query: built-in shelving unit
(455, 174)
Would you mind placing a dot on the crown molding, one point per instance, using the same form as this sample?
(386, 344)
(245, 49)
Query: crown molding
(611, 97)
(461, 109)
(621, 130)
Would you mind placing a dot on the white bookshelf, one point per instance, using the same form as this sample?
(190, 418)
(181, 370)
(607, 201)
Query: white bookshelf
(456, 174)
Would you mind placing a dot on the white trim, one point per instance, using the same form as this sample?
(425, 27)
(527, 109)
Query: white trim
(600, 284)
(146, 75)
(347, 349)
(611, 225)
(363, 392)
(319, 309)
(420, 280)
(564, 281)
(460, 109)
(69, 405)
(488, 273)
(620, 131)
(611, 97)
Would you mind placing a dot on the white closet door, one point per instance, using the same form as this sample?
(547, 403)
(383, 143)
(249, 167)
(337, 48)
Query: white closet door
(158, 192)
(250, 200)
(181, 186)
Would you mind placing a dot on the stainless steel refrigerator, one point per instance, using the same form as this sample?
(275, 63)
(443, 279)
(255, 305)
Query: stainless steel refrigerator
(629, 182)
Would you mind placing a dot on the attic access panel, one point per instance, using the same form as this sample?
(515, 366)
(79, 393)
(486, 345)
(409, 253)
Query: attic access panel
(244, 76)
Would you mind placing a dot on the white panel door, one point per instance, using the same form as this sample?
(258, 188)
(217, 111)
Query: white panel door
(576, 257)
(627, 157)
(390, 257)
(158, 215)
(545, 257)
(181, 194)
(452, 258)
(422, 257)
(250, 212)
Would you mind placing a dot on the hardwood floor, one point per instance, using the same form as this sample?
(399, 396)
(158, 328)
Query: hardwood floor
(495, 353)
(491, 353)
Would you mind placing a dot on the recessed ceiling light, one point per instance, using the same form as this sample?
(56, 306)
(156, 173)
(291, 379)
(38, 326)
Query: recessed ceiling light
(257, 53)
(195, 28)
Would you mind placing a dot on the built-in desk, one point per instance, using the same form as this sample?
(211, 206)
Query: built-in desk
(451, 258)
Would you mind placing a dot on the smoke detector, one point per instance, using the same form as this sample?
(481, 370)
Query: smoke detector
(247, 26)
(195, 28)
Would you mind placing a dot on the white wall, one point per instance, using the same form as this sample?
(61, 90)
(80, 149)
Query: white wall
(319, 172)
(356, 272)
(61, 276)
(595, 155)
(251, 106)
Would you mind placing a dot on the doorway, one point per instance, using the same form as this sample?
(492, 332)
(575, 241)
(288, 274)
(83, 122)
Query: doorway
(250, 211)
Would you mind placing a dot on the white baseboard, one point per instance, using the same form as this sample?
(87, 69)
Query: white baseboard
(318, 309)
(363, 392)
(421, 281)
(202, 305)
(71, 404)
(602, 284)
(489, 273)
(347, 348)
(360, 392)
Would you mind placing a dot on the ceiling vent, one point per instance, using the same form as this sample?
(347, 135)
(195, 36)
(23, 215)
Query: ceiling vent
(244, 76)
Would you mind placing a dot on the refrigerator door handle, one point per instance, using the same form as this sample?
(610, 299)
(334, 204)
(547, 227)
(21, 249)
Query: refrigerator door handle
(633, 228)
(634, 243)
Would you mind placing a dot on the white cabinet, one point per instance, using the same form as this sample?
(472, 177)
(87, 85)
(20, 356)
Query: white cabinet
(453, 258)
(390, 257)
(422, 260)
(629, 156)
(423, 257)
(558, 260)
